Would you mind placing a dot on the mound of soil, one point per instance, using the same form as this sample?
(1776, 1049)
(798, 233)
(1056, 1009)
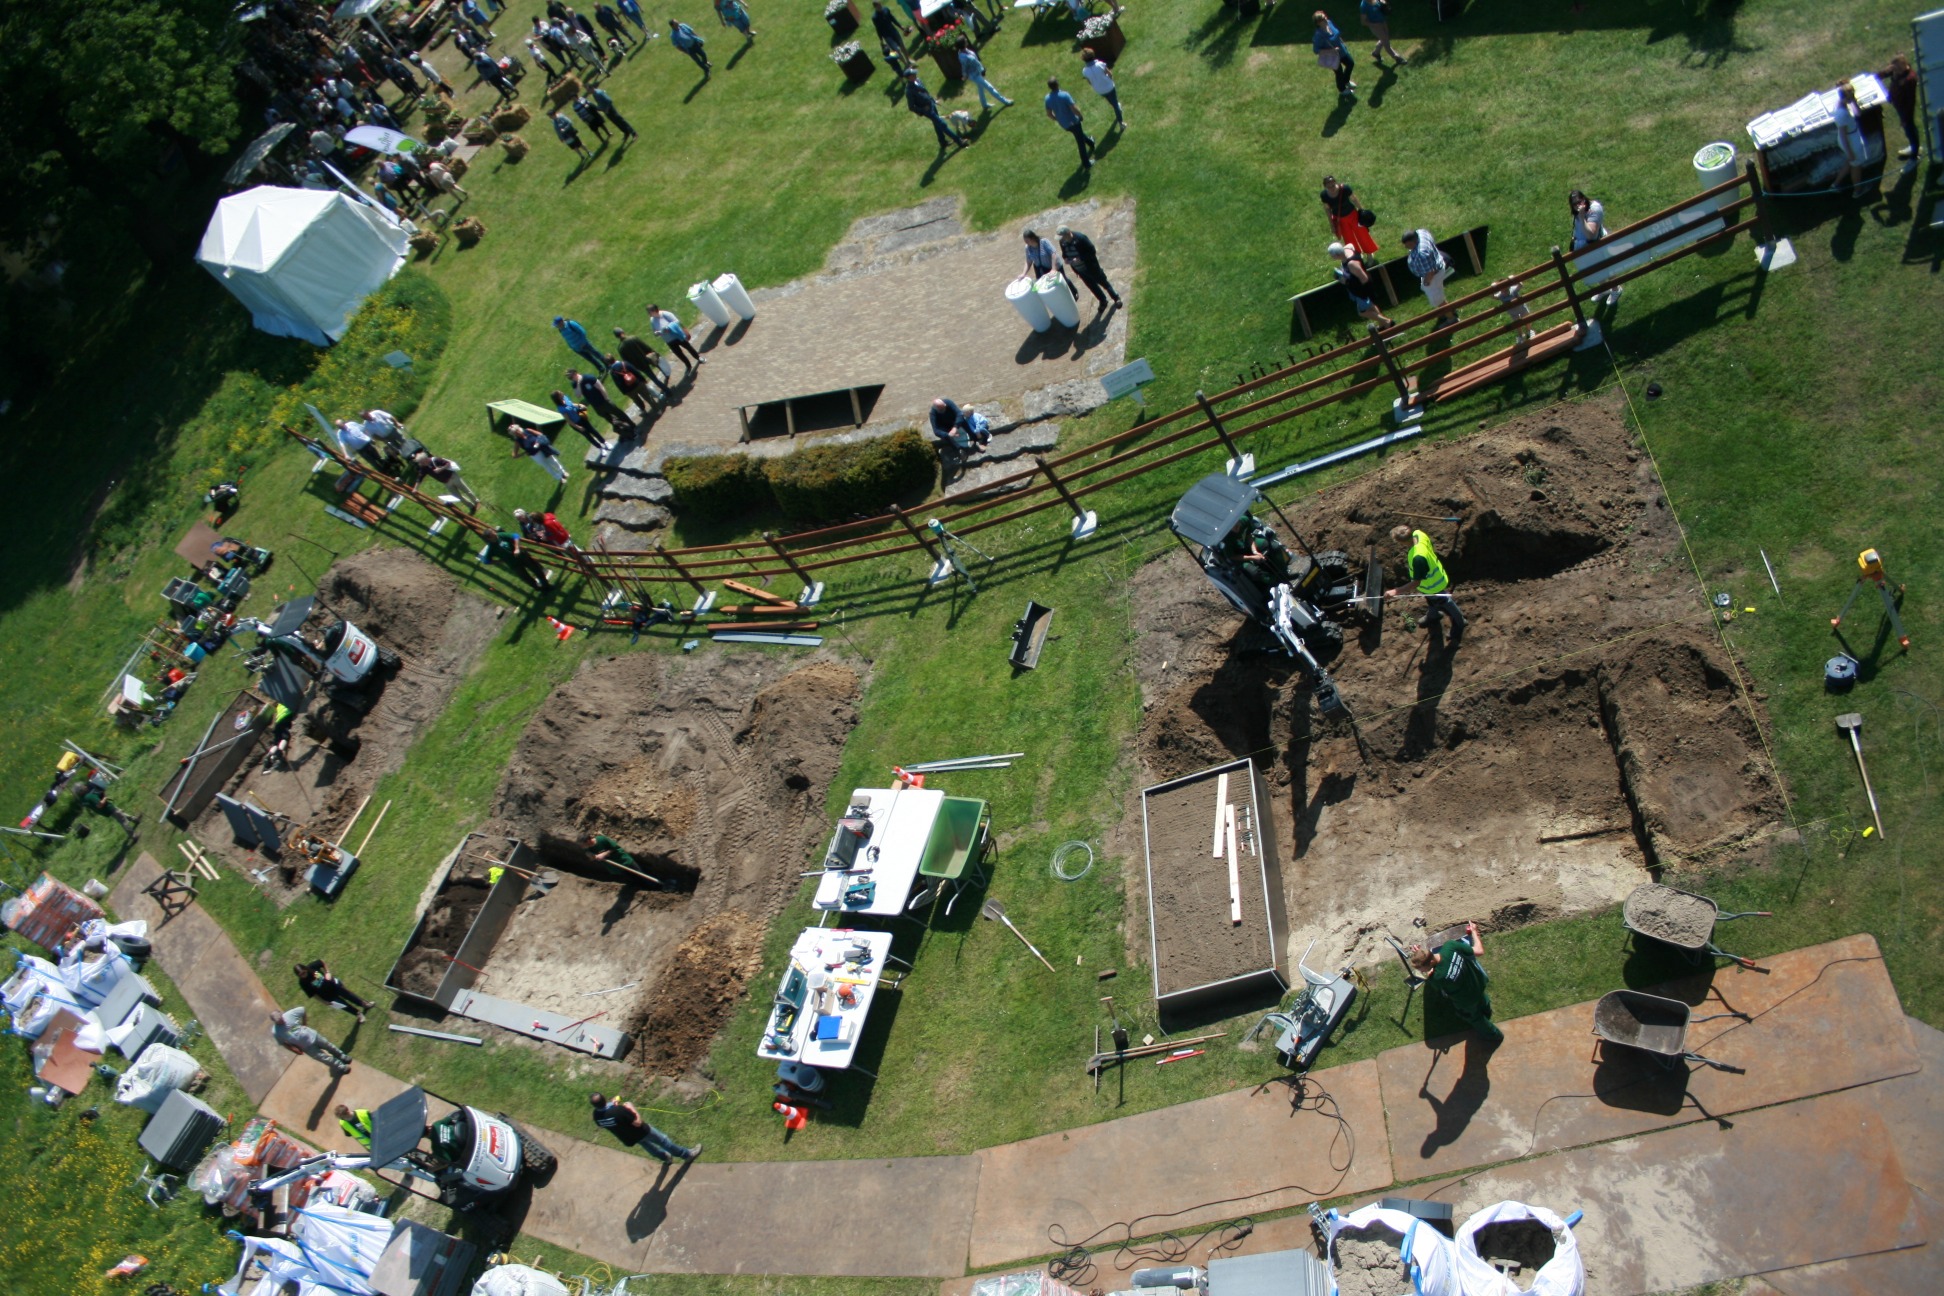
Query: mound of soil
(712, 771)
(1517, 1248)
(1587, 731)
(413, 608)
(446, 924)
(1369, 1262)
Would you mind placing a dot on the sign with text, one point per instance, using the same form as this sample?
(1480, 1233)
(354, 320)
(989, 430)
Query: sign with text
(1127, 379)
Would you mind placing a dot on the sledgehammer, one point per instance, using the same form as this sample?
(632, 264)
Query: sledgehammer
(1851, 723)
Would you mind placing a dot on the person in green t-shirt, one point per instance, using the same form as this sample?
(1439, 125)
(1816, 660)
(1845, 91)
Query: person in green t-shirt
(606, 850)
(508, 547)
(1457, 980)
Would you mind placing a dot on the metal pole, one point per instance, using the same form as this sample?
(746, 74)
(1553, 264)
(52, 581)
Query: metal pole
(1566, 282)
(1215, 422)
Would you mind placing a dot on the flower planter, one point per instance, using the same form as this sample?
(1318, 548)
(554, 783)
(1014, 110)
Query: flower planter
(858, 66)
(948, 64)
(843, 17)
(1105, 40)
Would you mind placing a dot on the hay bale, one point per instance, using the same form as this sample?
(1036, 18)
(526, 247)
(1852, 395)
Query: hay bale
(509, 119)
(458, 166)
(469, 231)
(515, 146)
(564, 91)
(424, 243)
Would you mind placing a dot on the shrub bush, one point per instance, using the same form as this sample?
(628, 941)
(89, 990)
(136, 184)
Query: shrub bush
(831, 483)
(717, 486)
(816, 484)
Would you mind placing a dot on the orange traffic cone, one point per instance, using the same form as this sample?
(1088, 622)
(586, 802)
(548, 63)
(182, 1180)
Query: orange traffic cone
(561, 629)
(794, 1118)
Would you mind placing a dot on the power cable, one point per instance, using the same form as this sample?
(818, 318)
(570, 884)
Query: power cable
(1076, 1264)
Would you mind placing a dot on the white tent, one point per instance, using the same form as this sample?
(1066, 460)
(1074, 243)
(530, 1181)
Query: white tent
(302, 260)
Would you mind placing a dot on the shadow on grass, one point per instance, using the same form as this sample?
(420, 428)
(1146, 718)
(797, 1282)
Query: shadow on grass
(1217, 39)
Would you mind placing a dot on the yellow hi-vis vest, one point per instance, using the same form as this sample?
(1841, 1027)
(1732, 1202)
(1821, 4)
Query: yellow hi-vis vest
(1434, 580)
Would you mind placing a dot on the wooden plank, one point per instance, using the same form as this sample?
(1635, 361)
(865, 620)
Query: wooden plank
(1554, 341)
(1235, 875)
(1471, 250)
(1221, 810)
(857, 409)
(1383, 277)
(760, 609)
(754, 592)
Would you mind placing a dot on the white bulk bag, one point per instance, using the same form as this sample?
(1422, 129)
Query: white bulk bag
(1563, 1275)
(1433, 1262)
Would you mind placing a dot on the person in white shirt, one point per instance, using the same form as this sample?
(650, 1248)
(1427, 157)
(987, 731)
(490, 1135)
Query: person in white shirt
(355, 441)
(1589, 226)
(380, 425)
(1102, 81)
(668, 328)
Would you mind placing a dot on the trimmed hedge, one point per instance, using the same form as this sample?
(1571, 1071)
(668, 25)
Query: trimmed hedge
(816, 484)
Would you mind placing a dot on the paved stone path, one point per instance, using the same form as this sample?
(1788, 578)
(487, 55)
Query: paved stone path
(1836, 1118)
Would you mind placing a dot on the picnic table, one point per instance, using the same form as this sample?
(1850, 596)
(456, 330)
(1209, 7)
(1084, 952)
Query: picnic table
(817, 1016)
(879, 878)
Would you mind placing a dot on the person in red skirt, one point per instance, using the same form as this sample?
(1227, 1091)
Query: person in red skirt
(1340, 203)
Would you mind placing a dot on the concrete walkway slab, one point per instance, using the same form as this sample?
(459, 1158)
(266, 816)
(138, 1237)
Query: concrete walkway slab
(1248, 1147)
(1776, 1189)
(1825, 1018)
(1912, 1271)
(907, 1218)
(303, 1101)
(224, 991)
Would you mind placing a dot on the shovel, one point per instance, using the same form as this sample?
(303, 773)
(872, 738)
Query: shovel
(997, 912)
(1851, 723)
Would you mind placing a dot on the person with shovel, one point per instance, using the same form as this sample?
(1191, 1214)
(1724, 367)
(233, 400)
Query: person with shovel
(1428, 577)
(606, 850)
(1455, 977)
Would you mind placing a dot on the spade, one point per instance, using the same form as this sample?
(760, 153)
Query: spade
(1851, 723)
(997, 912)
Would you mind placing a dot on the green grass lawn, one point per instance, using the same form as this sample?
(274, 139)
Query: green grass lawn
(1794, 421)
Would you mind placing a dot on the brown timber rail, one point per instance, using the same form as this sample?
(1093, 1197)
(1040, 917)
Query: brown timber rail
(1551, 289)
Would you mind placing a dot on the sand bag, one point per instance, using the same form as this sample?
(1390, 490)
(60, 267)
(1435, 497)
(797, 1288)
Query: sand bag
(517, 1280)
(157, 1073)
(1538, 1240)
(1367, 1250)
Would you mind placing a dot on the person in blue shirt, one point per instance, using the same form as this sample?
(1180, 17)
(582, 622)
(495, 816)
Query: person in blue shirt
(579, 343)
(974, 72)
(1332, 53)
(1066, 114)
(631, 10)
(683, 37)
(732, 14)
(600, 96)
(919, 100)
(1376, 16)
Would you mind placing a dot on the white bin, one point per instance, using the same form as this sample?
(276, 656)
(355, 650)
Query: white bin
(730, 289)
(1027, 302)
(1715, 164)
(1052, 290)
(706, 301)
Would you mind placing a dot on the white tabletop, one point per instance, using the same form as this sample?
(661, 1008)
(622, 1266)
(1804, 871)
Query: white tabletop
(816, 949)
(901, 825)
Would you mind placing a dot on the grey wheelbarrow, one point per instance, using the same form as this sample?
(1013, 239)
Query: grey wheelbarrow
(1683, 920)
(1653, 1024)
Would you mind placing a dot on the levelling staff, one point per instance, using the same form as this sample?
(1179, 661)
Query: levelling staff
(1428, 577)
(355, 1124)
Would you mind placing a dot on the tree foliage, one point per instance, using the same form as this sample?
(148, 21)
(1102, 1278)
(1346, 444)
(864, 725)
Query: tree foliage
(94, 93)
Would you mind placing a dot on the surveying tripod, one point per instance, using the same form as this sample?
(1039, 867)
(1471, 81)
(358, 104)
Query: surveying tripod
(1869, 566)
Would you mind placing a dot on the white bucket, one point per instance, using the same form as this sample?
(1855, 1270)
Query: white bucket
(730, 289)
(1052, 290)
(706, 301)
(1027, 302)
(1716, 164)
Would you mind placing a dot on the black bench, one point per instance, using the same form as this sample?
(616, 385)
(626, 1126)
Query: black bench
(1388, 275)
(816, 412)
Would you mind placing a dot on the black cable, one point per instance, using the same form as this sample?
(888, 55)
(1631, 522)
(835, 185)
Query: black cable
(1075, 1264)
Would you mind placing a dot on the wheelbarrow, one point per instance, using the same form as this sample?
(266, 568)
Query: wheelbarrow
(1653, 1024)
(1668, 903)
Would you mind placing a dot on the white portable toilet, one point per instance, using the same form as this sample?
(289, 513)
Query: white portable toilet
(730, 290)
(704, 296)
(1058, 298)
(1027, 302)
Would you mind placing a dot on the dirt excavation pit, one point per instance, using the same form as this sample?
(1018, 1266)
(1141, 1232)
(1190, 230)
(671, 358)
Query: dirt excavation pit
(711, 771)
(1516, 1248)
(411, 607)
(1370, 1262)
(1587, 734)
(446, 924)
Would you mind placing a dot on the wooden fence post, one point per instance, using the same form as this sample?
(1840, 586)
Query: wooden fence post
(812, 589)
(1240, 465)
(916, 534)
(1405, 408)
(705, 597)
(1085, 522)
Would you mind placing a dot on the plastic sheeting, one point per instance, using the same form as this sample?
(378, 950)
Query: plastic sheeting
(1563, 1275)
(35, 994)
(1021, 1284)
(517, 1280)
(1433, 1259)
(158, 1072)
